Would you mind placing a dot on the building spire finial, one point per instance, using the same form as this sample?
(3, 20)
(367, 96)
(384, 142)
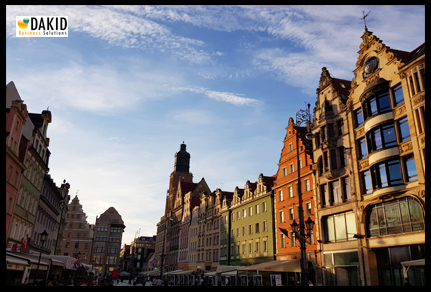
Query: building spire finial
(364, 18)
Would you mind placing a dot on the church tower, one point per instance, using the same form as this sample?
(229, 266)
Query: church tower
(181, 172)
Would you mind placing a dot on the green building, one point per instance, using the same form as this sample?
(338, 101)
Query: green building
(247, 225)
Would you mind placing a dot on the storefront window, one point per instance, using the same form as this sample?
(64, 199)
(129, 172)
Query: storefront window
(341, 268)
(399, 216)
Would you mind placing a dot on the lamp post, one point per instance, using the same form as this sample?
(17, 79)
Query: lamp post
(43, 237)
(301, 117)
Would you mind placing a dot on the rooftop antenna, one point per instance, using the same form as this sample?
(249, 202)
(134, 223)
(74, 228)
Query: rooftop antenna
(364, 18)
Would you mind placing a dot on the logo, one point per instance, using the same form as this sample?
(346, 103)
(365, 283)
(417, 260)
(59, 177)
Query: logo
(42, 26)
(23, 23)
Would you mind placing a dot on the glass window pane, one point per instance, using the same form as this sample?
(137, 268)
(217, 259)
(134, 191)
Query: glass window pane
(405, 216)
(359, 118)
(373, 106)
(377, 139)
(389, 136)
(373, 223)
(368, 188)
(393, 218)
(330, 229)
(340, 227)
(416, 215)
(394, 170)
(351, 224)
(398, 94)
(382, 220)
(383, 177)
(412, 173)
(363, 144)
(384, 102)
(404, 129)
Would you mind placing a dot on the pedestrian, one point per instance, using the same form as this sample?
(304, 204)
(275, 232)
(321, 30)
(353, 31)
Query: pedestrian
(159, 282)
(310, 283)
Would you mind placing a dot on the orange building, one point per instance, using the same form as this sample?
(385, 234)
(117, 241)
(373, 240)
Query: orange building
(286, 199)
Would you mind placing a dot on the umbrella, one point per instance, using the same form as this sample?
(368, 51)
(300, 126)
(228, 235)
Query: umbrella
(124, 273)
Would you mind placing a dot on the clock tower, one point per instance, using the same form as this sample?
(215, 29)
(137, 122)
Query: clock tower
(181, 172)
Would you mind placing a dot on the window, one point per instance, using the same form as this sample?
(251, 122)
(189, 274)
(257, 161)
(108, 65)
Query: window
(264, 207)
(290, 191)
(292, 239)
(363, 153)
(326, 160)
(281, 216)
(343, 156)
(308, 210)
(291, 214)
(325, 195)
(323, 133)
(387, 173)
(336, 192)
(399, 216)
(340, 227)
(366, 182)
(280, 196)
(410, 166)
(397, 92)
(306, 185)
(381, 137)
(376, 104)
(330, 130)
(256, 228)
(346, 188)
(290, 147)
(340, 127)
(333, 159)
(403, 125)
(291, 168)
(282, 240)
(359, 118)
(284, 171)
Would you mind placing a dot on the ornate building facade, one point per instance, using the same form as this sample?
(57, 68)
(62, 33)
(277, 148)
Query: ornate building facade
(286, 198)
(387, 108)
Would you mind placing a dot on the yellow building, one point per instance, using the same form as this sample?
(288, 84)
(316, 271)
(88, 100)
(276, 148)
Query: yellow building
(386, 107)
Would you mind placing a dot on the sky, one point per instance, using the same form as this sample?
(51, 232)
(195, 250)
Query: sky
(130, 83)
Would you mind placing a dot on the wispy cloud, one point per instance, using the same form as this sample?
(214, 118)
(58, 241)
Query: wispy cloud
(229, 97)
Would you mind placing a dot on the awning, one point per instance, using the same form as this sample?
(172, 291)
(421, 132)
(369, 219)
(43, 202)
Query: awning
(150, 273)
(275, 266)
(415, 263)
(16, 261)
(223, 269)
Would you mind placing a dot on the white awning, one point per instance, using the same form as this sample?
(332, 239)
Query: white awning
(275, 266)
(16, 261)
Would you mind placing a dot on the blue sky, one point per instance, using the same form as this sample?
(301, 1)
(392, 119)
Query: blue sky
(131, 83)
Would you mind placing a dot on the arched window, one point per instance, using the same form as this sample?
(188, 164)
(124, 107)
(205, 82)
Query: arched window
(398, 216)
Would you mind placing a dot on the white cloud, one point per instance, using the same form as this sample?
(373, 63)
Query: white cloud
(233, 98)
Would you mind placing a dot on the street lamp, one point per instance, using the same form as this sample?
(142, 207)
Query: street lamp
(43, 237)
(301, 117)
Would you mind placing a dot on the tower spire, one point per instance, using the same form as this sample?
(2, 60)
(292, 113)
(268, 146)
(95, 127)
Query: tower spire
(364, 18)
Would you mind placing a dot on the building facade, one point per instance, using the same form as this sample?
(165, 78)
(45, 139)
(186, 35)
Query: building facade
(387, 108)
(247, 229)
(16, 152)
(108, 233)
(140, 250)
(286, 198)
(77, 235)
